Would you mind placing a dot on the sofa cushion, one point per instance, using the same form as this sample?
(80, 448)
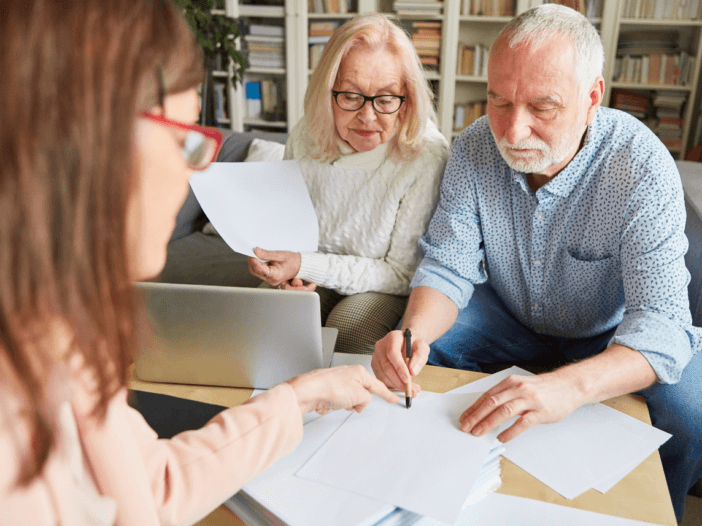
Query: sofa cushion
(262, 150)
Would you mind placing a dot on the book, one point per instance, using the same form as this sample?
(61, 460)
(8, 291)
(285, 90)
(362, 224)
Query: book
(266, 30)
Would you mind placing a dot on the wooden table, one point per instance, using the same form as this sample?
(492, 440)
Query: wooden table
(642, 495)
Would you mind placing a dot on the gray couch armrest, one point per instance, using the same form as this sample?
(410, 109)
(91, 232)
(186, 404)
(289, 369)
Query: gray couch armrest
(691, 176)
(234, 149)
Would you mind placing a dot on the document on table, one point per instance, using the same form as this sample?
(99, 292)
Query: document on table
(262, 204)
(298, 501)
(594, 447)
(417, 459)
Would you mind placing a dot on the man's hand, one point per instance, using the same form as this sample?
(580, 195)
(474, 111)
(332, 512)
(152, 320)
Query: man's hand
(541, 399)
(550, 397)
(279, 266)
(389, 361)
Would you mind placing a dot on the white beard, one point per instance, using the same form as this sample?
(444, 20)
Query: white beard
(533, 155)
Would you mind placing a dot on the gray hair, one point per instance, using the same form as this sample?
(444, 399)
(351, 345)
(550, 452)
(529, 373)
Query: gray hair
(541, 23)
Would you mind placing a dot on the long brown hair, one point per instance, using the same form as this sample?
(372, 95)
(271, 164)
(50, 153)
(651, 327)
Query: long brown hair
(74, 75)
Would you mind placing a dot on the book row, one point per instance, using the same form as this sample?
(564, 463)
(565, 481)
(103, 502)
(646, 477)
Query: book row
(265, 100)
(488, 7)
(655, 69)
(663, 9)
(472, 60)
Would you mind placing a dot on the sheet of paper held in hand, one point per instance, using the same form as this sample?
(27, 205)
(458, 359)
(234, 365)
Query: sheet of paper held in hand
(263, 204)
(416, 459)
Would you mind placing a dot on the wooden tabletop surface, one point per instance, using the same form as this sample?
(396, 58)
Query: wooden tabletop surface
(642, 495)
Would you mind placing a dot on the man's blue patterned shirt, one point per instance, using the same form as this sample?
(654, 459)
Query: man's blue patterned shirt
(601, 245)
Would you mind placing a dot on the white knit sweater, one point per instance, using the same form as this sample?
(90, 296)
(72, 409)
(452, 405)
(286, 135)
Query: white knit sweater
(371, 212)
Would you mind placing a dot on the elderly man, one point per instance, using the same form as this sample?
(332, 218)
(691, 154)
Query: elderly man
(559, 234)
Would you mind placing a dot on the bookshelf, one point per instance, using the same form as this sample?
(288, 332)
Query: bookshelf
(461, 26)
(677, 35)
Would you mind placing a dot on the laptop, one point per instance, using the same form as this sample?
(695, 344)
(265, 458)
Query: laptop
(230, 336)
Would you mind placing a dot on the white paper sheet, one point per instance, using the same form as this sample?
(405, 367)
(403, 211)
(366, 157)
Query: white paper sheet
(653, 436)
(488, 382)
(416, 459)
(300, 502)
(264, 204)
(534, 450)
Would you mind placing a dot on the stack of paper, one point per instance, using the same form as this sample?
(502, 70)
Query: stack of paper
(387, 465)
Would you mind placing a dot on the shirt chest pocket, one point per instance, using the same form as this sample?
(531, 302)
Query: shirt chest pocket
(593, 288)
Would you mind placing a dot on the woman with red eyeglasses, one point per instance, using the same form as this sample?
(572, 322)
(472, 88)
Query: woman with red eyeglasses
(97, 143)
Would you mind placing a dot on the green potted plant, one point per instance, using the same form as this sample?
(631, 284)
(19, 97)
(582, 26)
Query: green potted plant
(216, 33)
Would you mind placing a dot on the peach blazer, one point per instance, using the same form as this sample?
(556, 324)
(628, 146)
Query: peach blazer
(120, 473)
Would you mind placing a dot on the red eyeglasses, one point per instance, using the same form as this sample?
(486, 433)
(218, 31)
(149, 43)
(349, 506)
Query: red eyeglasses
(201, 144)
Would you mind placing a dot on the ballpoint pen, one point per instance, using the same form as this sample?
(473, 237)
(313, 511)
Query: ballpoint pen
(408, 353)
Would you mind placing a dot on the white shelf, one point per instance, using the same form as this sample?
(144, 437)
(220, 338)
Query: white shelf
(265, 71)
(330, 16)
(481, 19)
(471, 78)
(657, 87)
(658, 22)
(264, 123)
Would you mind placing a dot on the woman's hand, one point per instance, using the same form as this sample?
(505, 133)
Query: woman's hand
(346, 387)
(280, 266)
(298, 284)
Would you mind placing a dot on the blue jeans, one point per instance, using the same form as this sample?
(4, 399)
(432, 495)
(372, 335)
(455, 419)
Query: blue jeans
(486, 332)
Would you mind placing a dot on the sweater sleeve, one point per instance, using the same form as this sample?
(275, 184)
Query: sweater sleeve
(392, 273)
(195, 471)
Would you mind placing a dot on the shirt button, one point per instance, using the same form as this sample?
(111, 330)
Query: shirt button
(539, 216)
(536, 305)
(537, 262)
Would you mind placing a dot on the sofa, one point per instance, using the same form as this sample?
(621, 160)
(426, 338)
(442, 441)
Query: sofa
(197, 258)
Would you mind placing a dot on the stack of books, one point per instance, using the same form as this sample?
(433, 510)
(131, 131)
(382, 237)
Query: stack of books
(467, 114)
(331, 6)
(670, 123)
(472, 60)
(266, 46)
(487, 7)
(661, 9)
(426, 37)
(423, 8)
(632, 102)
(319, 35)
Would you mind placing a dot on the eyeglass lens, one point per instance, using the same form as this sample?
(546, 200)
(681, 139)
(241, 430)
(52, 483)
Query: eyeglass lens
(198, 150)
(382, 104)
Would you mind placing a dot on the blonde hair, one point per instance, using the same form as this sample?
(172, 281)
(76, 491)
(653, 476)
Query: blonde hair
(373, 31)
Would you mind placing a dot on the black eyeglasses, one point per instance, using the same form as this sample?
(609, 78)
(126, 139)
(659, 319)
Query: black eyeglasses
(350, 101)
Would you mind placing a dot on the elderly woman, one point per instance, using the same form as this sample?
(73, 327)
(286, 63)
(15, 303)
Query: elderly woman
(372, 159)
